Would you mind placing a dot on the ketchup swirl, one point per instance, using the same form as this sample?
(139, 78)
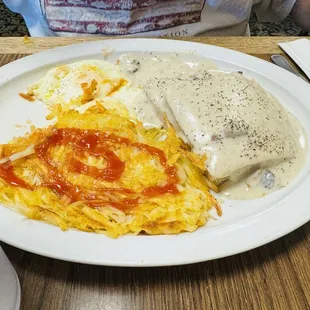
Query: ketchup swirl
(98, 144)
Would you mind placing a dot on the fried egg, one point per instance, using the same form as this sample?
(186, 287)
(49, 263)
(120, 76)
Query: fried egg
(72, 86)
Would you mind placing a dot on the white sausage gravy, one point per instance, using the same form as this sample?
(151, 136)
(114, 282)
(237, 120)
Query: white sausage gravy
(254, 146)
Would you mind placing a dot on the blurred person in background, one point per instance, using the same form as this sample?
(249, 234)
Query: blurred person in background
(164, 18)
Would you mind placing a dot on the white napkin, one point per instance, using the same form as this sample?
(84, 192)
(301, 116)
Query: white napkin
(9, 285)
(299, 51)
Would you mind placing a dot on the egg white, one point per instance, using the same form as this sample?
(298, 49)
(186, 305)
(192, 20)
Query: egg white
(62, 85)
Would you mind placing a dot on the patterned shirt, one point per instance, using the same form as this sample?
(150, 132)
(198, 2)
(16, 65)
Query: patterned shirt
(166, 18)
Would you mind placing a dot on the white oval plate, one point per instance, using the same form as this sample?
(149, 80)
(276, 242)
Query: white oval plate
(244, 225)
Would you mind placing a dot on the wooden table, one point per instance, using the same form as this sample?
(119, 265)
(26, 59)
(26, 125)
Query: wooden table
(275, 276)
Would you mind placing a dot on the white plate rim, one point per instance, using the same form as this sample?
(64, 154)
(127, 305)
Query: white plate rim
(236, 240)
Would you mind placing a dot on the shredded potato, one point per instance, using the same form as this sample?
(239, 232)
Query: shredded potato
(162, 214)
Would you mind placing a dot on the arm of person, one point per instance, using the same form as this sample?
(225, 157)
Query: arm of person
(301, 14)
(32, 14)
(277, 10)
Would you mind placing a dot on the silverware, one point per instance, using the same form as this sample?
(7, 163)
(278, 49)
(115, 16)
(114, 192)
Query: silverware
(282, 62)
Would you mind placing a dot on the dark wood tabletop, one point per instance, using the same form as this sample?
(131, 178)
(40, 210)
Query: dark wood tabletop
(274, 276)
